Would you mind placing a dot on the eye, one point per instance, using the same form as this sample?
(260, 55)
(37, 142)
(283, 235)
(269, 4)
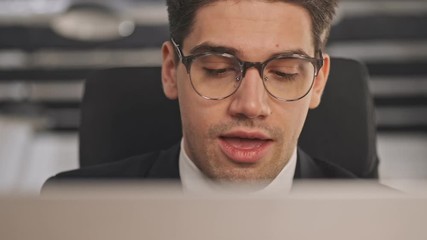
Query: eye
(212, 71)
(218, 72)
(215, 67)
(283, 75)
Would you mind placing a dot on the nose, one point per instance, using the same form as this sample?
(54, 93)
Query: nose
(251, 99)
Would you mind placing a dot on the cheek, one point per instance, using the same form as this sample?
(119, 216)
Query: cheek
(197, 113)
(293, 117)
(197, 118)
(185, 96)
(301, 112)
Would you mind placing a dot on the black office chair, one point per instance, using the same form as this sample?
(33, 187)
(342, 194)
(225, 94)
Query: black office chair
(124, 113)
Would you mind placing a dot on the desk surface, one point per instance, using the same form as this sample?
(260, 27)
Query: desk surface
(313, 211)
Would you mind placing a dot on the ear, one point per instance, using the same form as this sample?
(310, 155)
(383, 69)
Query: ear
(320, 82)
(169, 80)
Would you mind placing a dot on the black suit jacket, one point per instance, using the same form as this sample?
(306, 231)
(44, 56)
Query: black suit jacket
(164, 165)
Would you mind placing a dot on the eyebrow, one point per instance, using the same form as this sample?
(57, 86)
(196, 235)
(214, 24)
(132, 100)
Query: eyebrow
(209, 47)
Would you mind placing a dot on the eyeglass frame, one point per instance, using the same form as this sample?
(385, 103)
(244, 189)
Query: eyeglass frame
(245, 65)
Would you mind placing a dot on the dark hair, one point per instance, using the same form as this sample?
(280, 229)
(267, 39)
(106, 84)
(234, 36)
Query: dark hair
(182, 14)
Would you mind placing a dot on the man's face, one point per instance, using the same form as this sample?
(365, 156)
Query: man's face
(249, 135)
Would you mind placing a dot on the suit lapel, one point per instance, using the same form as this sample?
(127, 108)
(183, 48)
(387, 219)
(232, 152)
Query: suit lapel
(166, 165)
(306, 167)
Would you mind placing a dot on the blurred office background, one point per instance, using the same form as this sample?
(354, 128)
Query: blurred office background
(48, 47)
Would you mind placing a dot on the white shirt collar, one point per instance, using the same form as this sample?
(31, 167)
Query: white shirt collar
(193, 180)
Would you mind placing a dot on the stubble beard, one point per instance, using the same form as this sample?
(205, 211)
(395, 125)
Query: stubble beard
(207, 157)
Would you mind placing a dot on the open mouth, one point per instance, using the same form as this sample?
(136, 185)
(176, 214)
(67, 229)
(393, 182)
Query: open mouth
(242, 147)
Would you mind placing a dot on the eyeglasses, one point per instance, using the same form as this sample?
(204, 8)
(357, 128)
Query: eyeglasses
(216, 76)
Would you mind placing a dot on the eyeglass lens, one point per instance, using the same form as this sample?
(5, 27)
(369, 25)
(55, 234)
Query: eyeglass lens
(216, 76)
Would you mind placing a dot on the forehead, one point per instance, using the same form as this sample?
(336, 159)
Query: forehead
(253, 27)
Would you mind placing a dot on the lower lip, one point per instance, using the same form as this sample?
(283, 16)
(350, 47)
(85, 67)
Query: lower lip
(251, 153)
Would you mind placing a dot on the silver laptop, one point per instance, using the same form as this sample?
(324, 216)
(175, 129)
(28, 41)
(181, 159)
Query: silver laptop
(118, 211)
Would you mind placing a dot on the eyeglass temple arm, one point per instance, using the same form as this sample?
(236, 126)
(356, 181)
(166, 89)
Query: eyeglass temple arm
(177, 49)
(320, 61)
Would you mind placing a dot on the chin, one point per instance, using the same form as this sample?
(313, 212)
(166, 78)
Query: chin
(242, 175)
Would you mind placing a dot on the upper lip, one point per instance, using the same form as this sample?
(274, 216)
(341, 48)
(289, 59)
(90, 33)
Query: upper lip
(246, 134)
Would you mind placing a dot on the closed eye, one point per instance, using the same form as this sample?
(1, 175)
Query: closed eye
(283, 75)
(217, 72)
